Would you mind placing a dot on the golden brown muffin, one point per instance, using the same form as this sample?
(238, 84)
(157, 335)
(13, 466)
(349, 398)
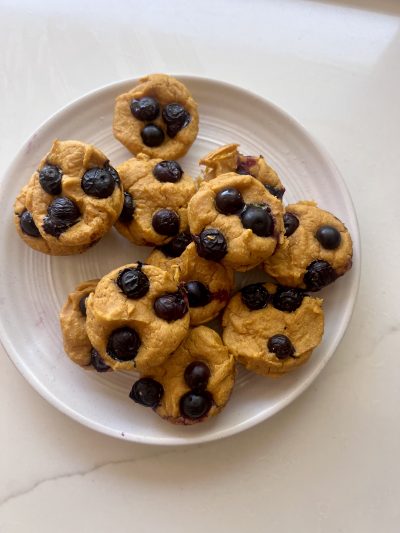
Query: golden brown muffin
(158, 117)
(194, 384)
(136, 317)
(235, 220)
(272, 330)
(159, 192)
(316, 250)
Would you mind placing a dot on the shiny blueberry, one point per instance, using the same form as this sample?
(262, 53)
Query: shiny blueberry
(171, 307)
(133, 283)
(177, 246)
(97, 362)
(147, 392)
(123, 344)
(99, 182)
(275, 191)
(146, 108)
(318, 275)
(168, 171)
(166, 222)
(287, 299)
(62, 213)
(82, 304)
(291, 223)
(198, 294)
(50, 179)
(195, 405)
(255, 296)
(281, 346)
(152, 135)
(329, 237)
(258, 219)
(211, 244)
(229, 201)
(197, 375)
(176, 117)
(27, 224)
(128, 208)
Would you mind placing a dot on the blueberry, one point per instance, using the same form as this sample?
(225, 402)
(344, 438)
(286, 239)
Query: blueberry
(99, 182)
(198, 294)
(97, 362)
(291, 223)
(166, 222)
(195, 405)
(255, 296)
(146, 108)
(258, 219)
(133, 283)
(123, 344)
(168, 171)
(244, 165)
(82, 304)
(176, 117)
(275, 191)
(152, 135)
(50, 179)
(318, 275)
(62, 213)
(147, 392)
(128, 208)
(197, 375)
(177, 246)
(170, 307)
(229, 201)
(281, 346)
(329, 237)
(287, 299)
(211, 244)
(243, 170)
(27, 224)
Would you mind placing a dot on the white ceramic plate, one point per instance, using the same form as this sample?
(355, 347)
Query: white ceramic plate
(33, 286)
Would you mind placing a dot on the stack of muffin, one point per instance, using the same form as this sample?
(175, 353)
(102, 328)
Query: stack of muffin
(149, 317)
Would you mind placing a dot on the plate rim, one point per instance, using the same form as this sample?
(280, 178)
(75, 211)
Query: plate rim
(40, 388)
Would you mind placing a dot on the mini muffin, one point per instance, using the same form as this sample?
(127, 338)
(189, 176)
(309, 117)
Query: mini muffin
(208, 284)
(158, 117)
(73, 327)
(194, 384)
(157, 194)
(228, 159)
(316, 250)
(236, 221)
(272, 330)
(29, 232)
(74, 197)
(136, 317)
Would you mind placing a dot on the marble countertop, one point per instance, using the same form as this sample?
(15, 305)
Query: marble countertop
(328, 462)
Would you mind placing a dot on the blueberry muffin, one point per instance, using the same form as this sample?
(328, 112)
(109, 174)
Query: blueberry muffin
(228, 159)
(207, 284)
(194, 384)
(73, 327)
(136, 317)
(272, 330)
(157, 194)
(29, 232)
(158, 117)
(316, 250)
(74, 197)
(235, 220)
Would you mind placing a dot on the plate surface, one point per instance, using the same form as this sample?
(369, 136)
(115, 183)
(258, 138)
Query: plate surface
(34, 286)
